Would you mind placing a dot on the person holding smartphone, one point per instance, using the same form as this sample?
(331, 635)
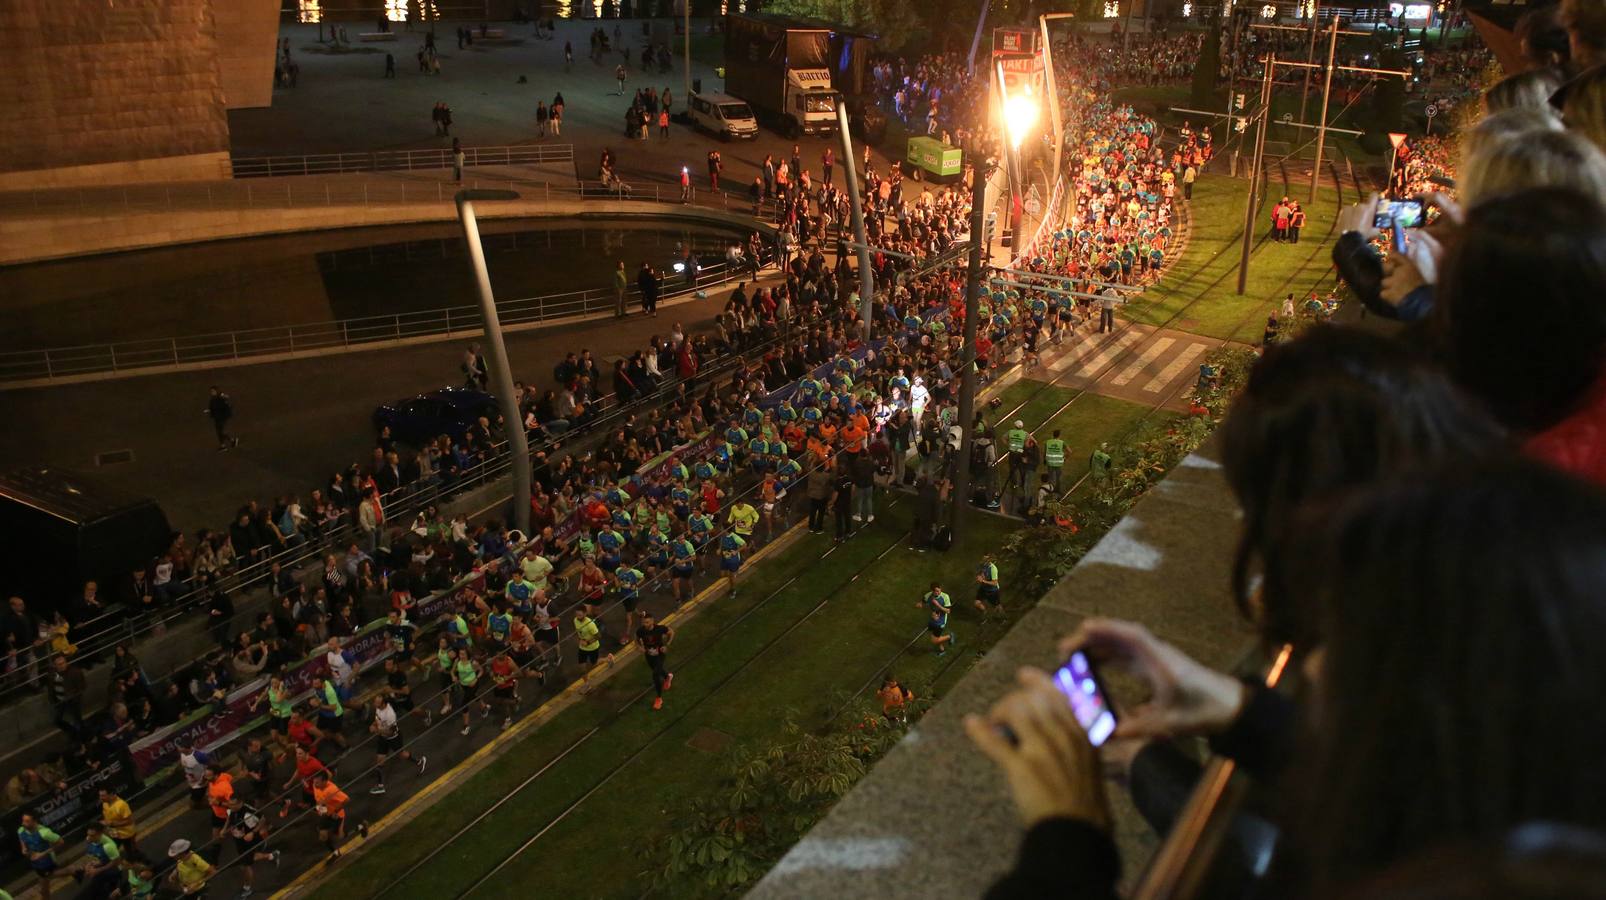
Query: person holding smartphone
(1035, 737)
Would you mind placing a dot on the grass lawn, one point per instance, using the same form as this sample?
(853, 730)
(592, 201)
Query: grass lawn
(737, 679)
(1207, 271)
(736, 683)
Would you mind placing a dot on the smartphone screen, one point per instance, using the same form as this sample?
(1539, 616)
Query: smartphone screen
(1080, 685)
(1402, 213)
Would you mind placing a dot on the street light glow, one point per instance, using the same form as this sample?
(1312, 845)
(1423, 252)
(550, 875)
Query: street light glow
(1020, 115)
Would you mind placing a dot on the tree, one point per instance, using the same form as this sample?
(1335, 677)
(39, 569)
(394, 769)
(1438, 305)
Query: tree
(1206, 74)
(1388, 103)
(895, 22)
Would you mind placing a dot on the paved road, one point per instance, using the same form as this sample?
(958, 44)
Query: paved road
(489, 107)
(298, 421)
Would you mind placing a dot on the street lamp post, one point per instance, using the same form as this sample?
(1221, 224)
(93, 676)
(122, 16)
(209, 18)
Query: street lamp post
(866, 277)
(967, 355)
(518, 446)
(1019, 117)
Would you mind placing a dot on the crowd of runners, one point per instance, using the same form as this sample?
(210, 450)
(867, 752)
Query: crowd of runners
(681, 499)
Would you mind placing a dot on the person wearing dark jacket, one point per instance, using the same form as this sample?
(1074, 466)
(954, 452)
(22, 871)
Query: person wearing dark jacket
(647, 283)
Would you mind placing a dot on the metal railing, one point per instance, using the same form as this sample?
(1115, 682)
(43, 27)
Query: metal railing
(399, 160)
(290, 194)
(290, 340)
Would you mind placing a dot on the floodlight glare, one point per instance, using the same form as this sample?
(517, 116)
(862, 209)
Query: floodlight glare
(1020, 114)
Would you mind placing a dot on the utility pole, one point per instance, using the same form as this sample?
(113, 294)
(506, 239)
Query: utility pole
(518, 446)
(687, 36)
(967, 356)
(1310, 55)
(1327, 93)
(866, 277)
(1254, 171)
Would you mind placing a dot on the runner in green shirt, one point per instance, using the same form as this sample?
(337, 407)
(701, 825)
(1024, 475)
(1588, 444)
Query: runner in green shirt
(443, 671)
(588, 646)
(466, 672)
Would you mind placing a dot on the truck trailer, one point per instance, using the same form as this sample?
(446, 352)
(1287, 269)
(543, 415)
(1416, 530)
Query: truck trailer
(794, 71)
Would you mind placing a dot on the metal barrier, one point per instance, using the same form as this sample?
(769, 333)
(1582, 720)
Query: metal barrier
(399, 160)
(290, 340)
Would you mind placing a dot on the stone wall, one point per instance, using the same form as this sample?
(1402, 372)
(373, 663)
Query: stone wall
(247, 32)
(91, 84)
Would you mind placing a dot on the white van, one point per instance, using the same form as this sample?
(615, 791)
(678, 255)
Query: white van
(724, 115)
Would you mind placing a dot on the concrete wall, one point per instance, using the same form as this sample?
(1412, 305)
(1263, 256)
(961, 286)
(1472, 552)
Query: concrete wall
(247, 34)
(92, 86)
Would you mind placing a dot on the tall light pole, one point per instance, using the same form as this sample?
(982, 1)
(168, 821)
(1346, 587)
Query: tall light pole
(1019, 118)
(967, 355)
(1053, 88)
(687, 26)
(1327, 93)
(518, 446)
(1254, 171)
(866, 277)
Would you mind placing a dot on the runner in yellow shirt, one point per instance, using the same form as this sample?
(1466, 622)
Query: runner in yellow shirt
(190, 871)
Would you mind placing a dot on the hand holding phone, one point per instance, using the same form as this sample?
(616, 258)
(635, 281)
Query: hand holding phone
(1079, 682)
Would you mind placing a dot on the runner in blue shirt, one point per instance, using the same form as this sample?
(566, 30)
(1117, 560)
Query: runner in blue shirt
(730, 558)
(684, 553)
(611, 543)
(938, 605)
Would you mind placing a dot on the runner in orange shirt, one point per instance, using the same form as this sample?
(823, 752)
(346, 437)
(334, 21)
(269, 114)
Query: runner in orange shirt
(331, 802)
(219, 790)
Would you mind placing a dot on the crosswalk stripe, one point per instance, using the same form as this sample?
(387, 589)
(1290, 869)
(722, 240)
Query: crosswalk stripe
(1103, 357)
(1142, 362)
(1170, 372)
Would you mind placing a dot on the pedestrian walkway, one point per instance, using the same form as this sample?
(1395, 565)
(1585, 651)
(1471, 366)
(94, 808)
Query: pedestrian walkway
(1136, 362)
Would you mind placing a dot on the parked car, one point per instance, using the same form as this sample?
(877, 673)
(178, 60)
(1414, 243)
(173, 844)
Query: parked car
(723, 115)
(449, 411)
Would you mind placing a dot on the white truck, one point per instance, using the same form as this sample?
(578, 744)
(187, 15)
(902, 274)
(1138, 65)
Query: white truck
(788, 69)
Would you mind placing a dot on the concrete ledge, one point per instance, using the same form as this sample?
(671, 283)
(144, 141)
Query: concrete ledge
(37, 238)
(933, 818)
(196, 167)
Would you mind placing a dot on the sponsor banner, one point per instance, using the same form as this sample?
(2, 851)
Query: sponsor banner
(222, 723)
(69, 809)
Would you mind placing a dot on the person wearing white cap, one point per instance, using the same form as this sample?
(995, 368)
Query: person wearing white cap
(918, 397)
(190, 870)
(1016, 438)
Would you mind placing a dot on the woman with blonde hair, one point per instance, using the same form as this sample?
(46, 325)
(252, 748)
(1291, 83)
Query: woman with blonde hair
(1506, 123)
(1534, 158)
(1524, 90)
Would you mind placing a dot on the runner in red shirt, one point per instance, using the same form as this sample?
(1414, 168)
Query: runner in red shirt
(307, 766)
(505, 686)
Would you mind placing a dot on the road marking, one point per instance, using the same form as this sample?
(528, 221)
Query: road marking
(1139, 364)
(1170, 372)
(1102, 359)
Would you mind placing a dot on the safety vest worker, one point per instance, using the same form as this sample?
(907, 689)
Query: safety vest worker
(1054, 451)
(1017, 437)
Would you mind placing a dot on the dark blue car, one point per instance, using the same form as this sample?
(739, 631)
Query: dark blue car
(449, 411)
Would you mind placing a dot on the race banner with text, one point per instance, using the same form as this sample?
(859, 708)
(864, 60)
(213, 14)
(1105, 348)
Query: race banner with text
(68, 809)
(215, 727)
